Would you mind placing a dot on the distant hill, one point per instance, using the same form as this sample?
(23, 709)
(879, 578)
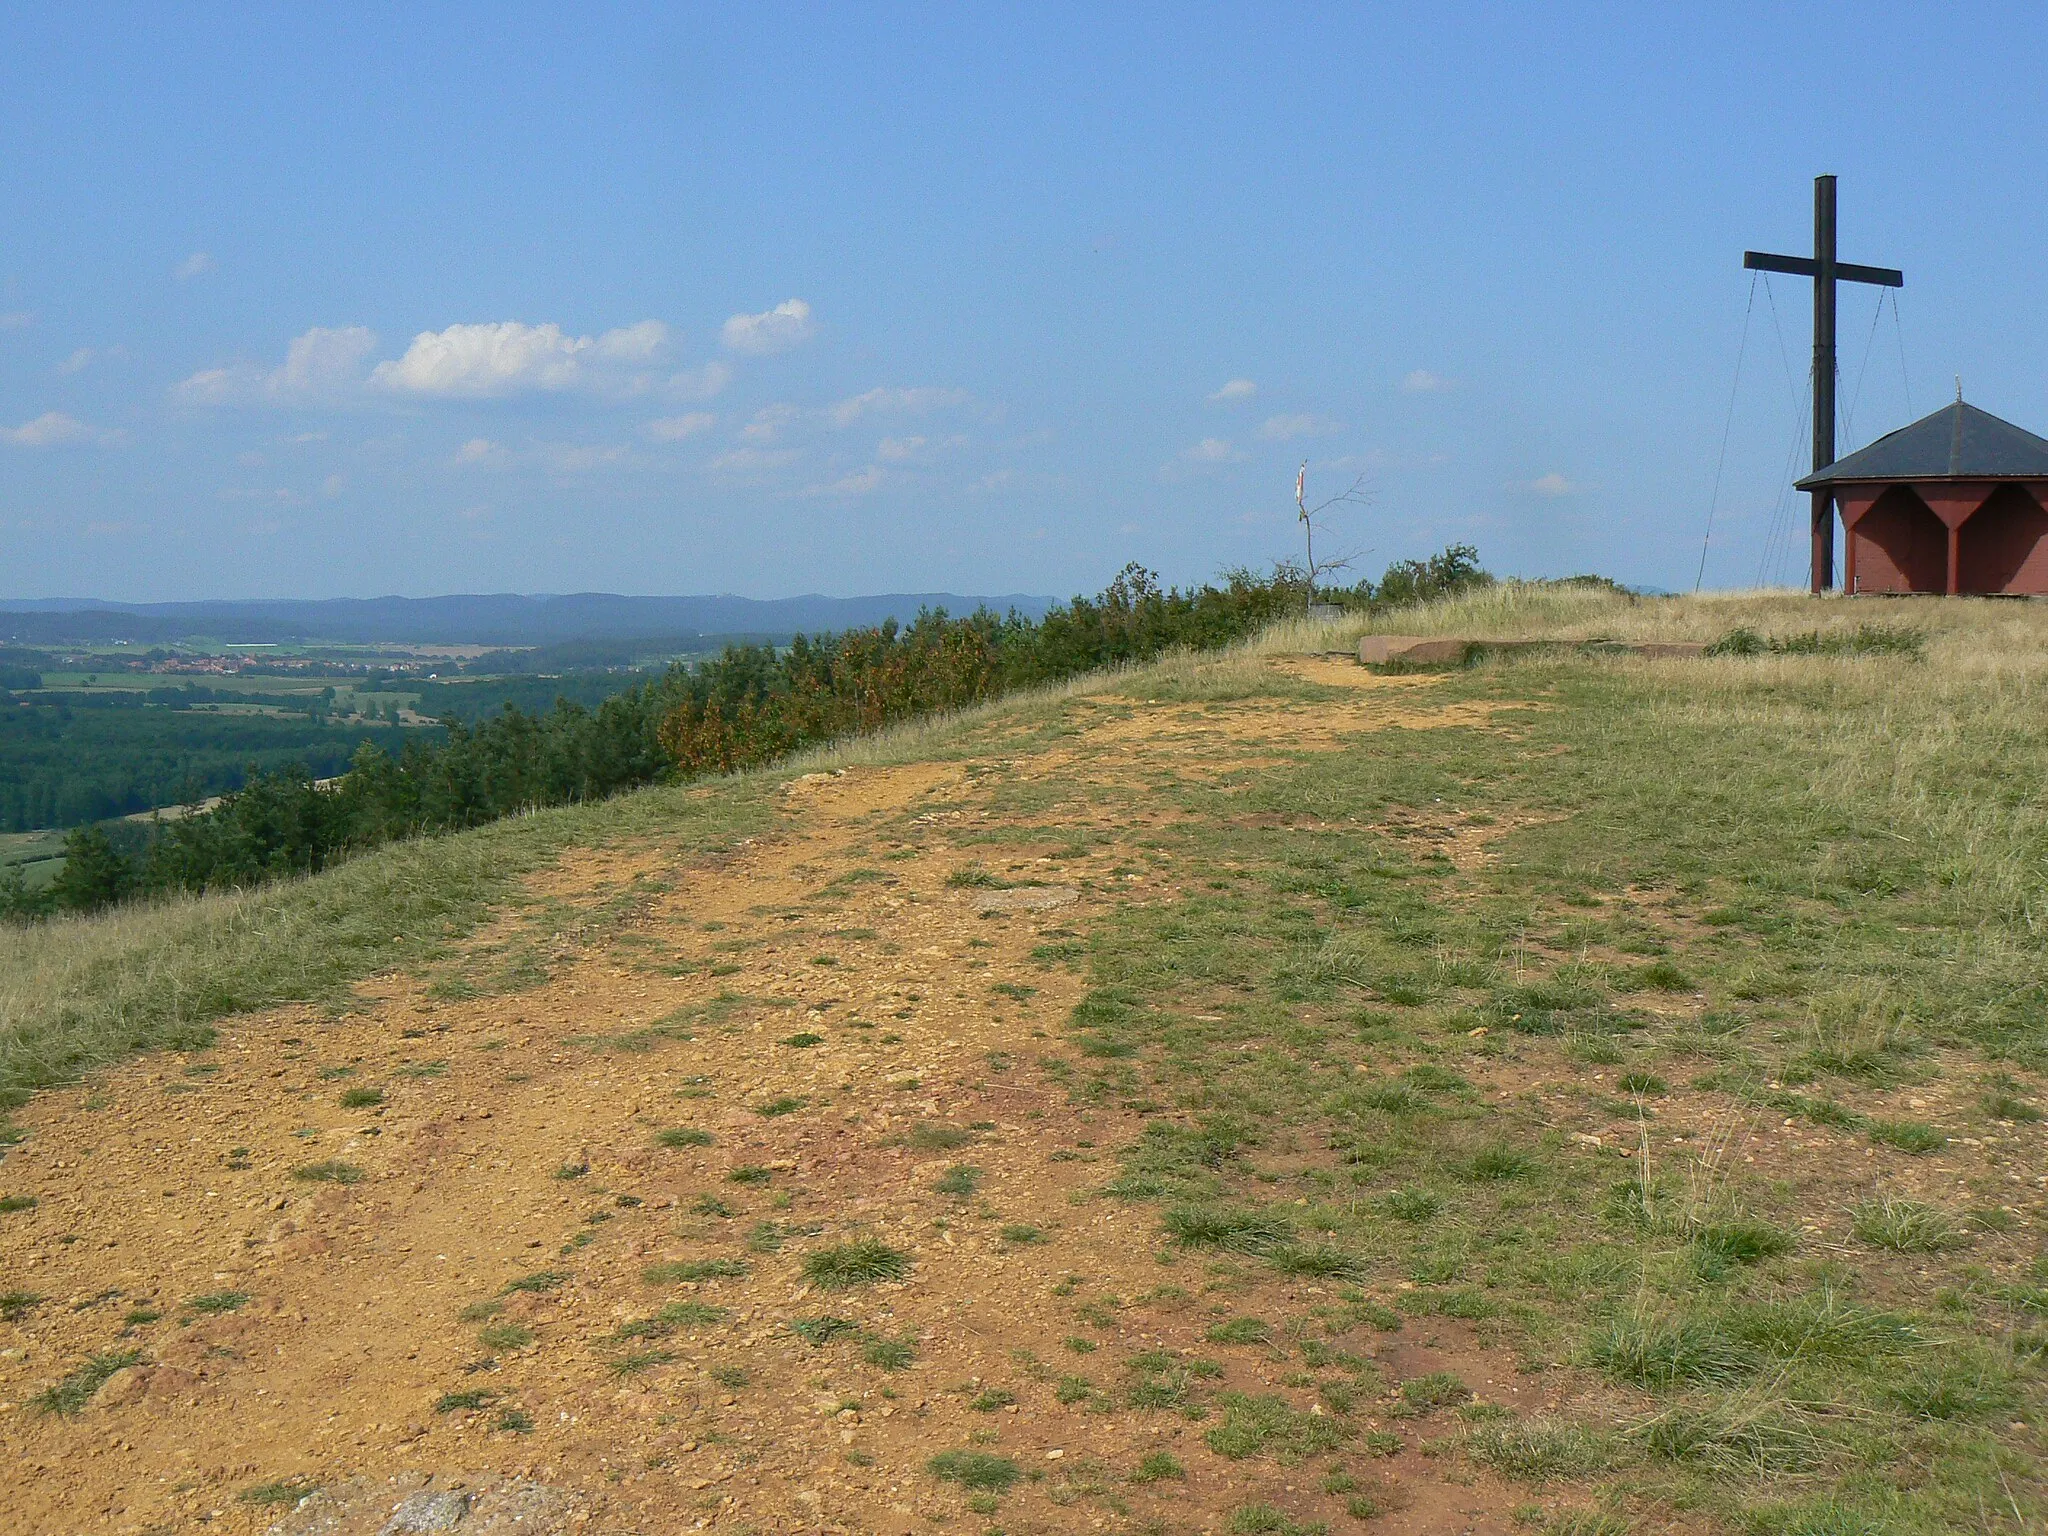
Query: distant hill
(479, 619)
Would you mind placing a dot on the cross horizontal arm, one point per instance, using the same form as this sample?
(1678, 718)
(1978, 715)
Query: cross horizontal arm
(1763, 261)
(1806, 266)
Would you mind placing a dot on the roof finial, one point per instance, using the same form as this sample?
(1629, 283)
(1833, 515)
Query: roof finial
(1959, 389)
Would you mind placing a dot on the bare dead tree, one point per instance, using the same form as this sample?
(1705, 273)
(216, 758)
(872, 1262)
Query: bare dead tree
(1318, 518)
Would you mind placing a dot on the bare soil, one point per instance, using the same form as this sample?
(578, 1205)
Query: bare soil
(827, 1007)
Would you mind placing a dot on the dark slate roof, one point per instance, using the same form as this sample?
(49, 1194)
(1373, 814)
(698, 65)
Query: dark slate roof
(1956, 442)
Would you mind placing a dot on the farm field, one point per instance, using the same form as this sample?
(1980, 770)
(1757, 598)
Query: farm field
(1246, 1094)
(91, 746)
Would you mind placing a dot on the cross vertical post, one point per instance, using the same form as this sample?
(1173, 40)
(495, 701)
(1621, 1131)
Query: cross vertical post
(1823, 377)
(1826, 271)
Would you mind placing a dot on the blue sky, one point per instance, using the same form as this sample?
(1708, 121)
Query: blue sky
(769, 299)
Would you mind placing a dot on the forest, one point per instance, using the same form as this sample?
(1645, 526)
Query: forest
(65, 763)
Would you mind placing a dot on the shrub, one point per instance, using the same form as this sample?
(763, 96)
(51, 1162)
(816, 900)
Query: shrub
(683, 1136)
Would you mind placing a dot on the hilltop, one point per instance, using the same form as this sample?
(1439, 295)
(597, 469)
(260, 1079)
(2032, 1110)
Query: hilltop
(1247, 1093)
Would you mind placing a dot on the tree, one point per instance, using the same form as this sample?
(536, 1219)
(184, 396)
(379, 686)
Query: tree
(17, 901)
(1319, 516)
(95, 874)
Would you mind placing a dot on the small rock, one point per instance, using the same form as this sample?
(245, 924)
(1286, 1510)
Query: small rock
(427, 1512)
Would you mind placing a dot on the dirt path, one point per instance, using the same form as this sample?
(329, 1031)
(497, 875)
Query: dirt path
(831, 1024)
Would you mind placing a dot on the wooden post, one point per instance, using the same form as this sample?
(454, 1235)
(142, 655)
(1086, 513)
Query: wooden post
(1823, 378)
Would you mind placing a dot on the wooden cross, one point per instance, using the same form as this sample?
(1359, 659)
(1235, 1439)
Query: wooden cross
(1825, 272)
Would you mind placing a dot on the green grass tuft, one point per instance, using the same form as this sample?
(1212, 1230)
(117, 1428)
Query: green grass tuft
(1908, 1136)
(681, 1271)
(1904, 1226)
(978, 1471)
(539, 1282)
(69, 1396)
(507, 1335)
(270, 1495)
(960, 1181)
(330, 1172)
(1267, 1520)
(867, 1261)
(1236, 1229)
(212, 1303)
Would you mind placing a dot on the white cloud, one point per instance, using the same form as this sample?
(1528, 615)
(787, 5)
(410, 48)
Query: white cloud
(751, 460)
(1279, 429)
(16, 320)
(857, 483)
(333, 486)
(907, 402)
(899, 450)
(582, 456)
(1423, 382)
(47, 431)
(768, 423)
(673, 429)
(78, 361)
(700, 383)
(639, 343)
(787, 325)
(1211, 450)
(1234, 393)
(198, 264)
(322, 362)
(479, 450)
(509, 357)
(1552, 484)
